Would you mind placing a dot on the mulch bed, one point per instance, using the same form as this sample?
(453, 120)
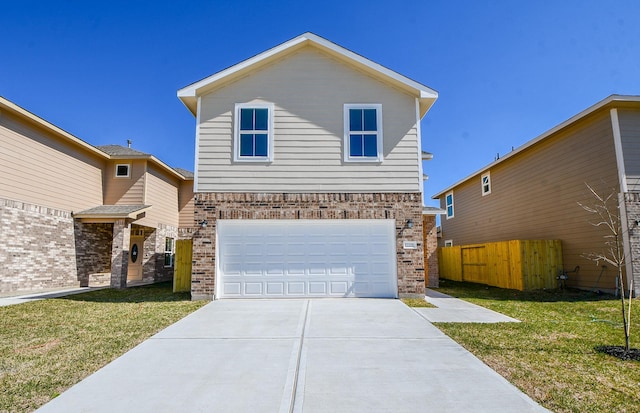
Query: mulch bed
(620, 352)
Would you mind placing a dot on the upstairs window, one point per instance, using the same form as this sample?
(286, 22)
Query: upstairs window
(254, 132)
(363, 132)
(449, 204)
(485, 181)
(122, 170)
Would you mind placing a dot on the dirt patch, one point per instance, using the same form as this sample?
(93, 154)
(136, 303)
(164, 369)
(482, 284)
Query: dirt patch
(620, 352)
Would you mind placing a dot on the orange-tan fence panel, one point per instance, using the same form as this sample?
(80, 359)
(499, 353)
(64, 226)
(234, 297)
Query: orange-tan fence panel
(182, 273)
(518, 264)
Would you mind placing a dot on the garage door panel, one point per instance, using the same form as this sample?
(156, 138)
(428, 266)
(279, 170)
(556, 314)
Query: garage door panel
(297, 258)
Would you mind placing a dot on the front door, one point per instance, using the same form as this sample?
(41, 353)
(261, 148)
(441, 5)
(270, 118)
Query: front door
(135, 258)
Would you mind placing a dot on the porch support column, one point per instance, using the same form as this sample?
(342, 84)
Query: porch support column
(120, 253)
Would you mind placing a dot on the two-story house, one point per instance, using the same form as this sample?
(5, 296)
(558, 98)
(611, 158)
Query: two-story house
(308, 176)
(72, 214)
(534, 192)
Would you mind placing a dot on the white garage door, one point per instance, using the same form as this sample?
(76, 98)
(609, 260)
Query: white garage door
(306, 258)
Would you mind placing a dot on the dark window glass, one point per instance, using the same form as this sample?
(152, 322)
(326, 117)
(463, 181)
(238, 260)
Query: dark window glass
(370, 123)
(355, 145)
(246, 119)
(260, 144)
(370, 145)
(262, 119)
(355, 119)
(122, 170)
(246, 144)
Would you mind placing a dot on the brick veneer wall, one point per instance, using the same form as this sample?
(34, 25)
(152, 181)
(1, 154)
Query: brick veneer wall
(430, 236)
(93, 253)
(37, 247)
(398, 206)
(154, 244)
(632, 203)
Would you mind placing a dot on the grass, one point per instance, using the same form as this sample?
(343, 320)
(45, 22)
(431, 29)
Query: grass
(551, 355)
(47, 346)
(417, 302)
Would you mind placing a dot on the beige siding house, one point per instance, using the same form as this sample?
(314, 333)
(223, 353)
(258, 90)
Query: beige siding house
(72, 214)
(308, 176)
(533, 192)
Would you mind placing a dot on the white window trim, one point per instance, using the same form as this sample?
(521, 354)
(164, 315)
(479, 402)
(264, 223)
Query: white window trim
(446, 206)
(128, 175)
(488, 176)
(448, 243)
(379, 140)
(236, 133)
(171, 251)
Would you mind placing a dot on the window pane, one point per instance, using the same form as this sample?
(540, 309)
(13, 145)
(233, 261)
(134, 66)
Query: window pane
(246, 145)
(167, 259)
(246, 119)
(449, 199)
(355, 119)
(370, 120)
(261, 145)
(262, 119)
(355, 145)
(122, 170)
(370, 145)
(449, 211)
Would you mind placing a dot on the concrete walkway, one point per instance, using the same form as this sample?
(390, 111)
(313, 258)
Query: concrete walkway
(325, 355)
(454, 310)
(21, 298)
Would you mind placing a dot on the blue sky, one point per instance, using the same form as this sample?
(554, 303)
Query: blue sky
(506, 71)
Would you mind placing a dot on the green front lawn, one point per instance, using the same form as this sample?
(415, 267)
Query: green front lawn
(551, 355)
(47, 346)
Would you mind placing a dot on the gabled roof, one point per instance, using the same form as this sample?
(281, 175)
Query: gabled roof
(189, 94)
(104, 152)
(118, 150)
(609, 102)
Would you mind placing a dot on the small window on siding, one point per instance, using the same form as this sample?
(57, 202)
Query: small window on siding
(485, 181)
(253, 132)
(168, 252)
(449, 204)
(122, 170)
(448, 243)
(363, 132)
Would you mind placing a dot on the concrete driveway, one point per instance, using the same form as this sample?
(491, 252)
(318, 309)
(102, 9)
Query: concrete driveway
(325, 355)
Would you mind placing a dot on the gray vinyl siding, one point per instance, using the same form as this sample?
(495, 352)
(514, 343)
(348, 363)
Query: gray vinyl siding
(629, 120)
(308, 90)
(40, 168)
(535, 195)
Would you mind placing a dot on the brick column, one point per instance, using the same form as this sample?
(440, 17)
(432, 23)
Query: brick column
(632, 201)
(120, 253)
(430, 235)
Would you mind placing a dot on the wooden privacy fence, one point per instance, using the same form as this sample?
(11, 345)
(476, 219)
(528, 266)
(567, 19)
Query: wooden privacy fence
(519, 264)
(182, 270)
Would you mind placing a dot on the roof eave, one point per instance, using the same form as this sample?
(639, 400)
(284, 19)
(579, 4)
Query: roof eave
(610, 100)
(189, 94)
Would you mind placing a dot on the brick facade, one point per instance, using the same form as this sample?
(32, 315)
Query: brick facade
(153, 269)
(37, 247)
(632, 204)
(430, 237)
(93, 253)
(398, 206)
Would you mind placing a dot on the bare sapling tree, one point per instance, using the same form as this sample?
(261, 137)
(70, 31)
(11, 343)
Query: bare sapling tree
(606, 209)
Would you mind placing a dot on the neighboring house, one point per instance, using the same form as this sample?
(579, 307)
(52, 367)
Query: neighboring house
(533, 192)
(72, 214)
(308, 176)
